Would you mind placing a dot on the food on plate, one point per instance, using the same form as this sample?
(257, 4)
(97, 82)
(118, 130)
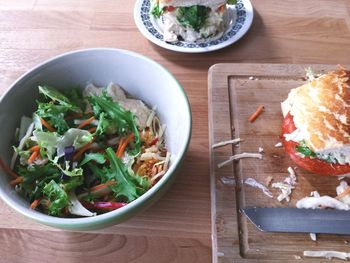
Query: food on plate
(86, 152)
(315, 129)
(191, 20)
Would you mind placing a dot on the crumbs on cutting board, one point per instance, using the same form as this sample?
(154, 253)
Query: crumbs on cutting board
(286, 186)
(328, 254)
(238, 157)
(223, 143)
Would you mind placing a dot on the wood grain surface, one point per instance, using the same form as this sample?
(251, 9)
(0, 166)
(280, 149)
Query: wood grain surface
(178, 227)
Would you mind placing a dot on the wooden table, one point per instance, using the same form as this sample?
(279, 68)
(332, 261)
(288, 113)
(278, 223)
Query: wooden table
(178, 227)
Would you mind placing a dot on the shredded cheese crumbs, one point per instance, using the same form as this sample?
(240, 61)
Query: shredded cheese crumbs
(313, 236)
(327, 254)
(223, 143)
(278, 145)
(252, 182)
(240, 156)
(316, 201)
(286, 186)
(321, 202)
(149, 155)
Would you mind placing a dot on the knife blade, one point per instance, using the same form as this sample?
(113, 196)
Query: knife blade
(299, 220)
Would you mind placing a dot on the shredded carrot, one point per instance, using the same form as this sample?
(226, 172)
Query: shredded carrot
(35, 203)
(92, 129)
(343, 194)
(82, 150)
(47, 125)
(123, 144)
(7, 169)
(33, 157)
(34, 148)
(256, 114)
(101, 186)
(16, 181)
(86, 122)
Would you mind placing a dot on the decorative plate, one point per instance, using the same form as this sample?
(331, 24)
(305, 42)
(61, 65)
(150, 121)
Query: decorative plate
(240, 18)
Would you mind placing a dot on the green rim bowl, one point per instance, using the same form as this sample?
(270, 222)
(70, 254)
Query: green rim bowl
(140, 76)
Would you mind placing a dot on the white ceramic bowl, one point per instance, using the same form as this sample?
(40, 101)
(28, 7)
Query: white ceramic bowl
(141, 77)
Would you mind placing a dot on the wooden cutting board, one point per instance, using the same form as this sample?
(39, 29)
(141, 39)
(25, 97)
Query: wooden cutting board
(235, 92)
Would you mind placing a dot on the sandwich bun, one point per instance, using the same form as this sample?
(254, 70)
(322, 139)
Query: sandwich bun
(318, 113)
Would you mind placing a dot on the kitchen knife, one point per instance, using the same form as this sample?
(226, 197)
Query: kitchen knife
(299, 220)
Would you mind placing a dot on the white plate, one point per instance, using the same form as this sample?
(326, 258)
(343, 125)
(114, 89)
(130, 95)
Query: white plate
(240, 20)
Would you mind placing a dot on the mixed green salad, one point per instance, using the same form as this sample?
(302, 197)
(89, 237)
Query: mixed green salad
(82, 153)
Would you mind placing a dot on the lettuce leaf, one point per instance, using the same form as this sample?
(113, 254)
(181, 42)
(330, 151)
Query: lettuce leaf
(73, 137)
(305, 150)
(54, 110)
(193, 16)
(57, 196)
(39, 175)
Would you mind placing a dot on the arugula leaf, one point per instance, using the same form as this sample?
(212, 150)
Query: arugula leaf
(123, 119)
(57, 196)
(193, 16)
(128, 186)
(97, 157)
(103, 124)
(305, 150)
(76, 97)
(56, 96)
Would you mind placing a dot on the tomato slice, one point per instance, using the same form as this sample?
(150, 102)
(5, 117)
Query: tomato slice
(314, 165)
(170, 8)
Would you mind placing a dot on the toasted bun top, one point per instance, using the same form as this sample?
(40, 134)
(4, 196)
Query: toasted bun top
(191, 2)
(321, 111)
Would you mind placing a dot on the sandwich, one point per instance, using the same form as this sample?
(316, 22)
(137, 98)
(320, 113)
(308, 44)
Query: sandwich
(316, 125)
(191, 20)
